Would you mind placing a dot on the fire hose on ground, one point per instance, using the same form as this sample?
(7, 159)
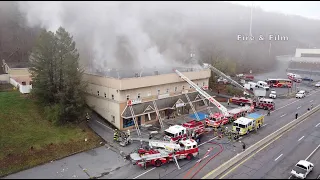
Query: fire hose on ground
(190, 170)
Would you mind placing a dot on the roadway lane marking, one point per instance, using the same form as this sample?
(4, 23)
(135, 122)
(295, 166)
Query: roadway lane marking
(317, 124)
(202, 158)
(283, 115)
(301, 138)
(278, 157)
(266, 124)
(290, 177)
(144, 173)
(235, 167)
(155, 167)
(299, 107)
(311, 100)
(312, 153)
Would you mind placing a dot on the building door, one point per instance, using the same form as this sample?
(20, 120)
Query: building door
(139, 120)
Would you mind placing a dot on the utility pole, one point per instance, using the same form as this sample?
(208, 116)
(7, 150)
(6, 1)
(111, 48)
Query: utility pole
(269, 49)
(250, 30)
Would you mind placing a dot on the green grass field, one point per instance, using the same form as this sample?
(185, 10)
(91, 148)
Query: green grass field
(28, 139)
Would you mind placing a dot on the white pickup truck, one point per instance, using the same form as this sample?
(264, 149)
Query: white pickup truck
(302, 169)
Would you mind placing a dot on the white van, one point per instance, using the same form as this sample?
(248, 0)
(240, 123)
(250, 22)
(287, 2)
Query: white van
(252, 85)
(263, 84)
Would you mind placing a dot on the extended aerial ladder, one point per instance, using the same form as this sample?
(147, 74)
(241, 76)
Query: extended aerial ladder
(233, 82)
(204, 94)
(162, 145)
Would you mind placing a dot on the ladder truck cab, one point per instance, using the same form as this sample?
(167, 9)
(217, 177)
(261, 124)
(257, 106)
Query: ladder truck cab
(157, 156)
(192, 128)
(264, 103)
(175, 133)
(216, 120)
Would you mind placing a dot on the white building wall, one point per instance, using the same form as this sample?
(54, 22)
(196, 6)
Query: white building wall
(309, 51)
(153, 90)
(106, 108)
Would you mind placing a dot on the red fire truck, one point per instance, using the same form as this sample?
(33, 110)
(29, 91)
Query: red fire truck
(241, 101)
(217, 119)
(186, 149)
(193, 129)
(279, 83)
(264, 103)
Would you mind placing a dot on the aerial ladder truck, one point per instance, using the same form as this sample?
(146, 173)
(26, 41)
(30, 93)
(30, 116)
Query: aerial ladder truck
(254, 101)
(233, 82)
(217, 119)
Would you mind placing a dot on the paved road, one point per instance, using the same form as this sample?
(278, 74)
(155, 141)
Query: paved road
(277, 159)
(283, 115)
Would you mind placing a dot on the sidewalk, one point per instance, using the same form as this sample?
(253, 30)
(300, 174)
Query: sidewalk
(94, 163)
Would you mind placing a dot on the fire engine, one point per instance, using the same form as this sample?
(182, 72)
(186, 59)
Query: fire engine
(157, 155)
(193, 129)
(261, 103)
(217, 119)
(294, 77)
(264, 103)
(241, 101)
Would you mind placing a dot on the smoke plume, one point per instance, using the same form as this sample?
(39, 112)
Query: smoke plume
(123, 34)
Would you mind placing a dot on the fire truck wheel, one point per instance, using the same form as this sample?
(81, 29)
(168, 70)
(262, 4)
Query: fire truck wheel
(265, 108)
(241, 104)
(158, 163)
(189, 156)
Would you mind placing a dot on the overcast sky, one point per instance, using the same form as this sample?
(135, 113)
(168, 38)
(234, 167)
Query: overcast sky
(303, 8)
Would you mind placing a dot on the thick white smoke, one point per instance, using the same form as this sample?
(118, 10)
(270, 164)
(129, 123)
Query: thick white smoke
(121, 34)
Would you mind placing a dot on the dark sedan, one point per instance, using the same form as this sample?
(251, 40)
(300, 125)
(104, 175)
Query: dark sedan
(307, 79)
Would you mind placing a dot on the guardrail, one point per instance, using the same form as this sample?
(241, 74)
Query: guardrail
(219, 170)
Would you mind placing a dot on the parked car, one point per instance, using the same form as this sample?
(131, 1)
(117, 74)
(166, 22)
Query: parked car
(302, 169)
(307, 79)
(317, 84)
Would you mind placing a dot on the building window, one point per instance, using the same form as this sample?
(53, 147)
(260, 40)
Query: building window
(167, 90)
(139, 95)
(112, 96)
(130, 122)
(182, 87)
(113, 119)
(98, 93)
(158, 91)
(203, 84)
(175, 89)
(105, 95)
(128, 97)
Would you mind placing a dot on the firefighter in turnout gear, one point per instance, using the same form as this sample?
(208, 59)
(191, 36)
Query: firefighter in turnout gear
(87, 116)
(115, 135)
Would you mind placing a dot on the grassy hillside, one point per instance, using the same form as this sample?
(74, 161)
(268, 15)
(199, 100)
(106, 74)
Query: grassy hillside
(28, 139)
